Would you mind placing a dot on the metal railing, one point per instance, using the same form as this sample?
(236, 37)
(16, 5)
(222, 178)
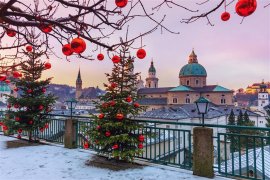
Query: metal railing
(239, 151)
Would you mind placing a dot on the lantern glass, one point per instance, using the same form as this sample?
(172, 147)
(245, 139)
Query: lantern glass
(71, 103)
(202, 105)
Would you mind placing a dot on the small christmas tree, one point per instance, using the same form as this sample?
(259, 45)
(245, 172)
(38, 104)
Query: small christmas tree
(30, 108)
(114, 133)
(240, 120)
(231, 121)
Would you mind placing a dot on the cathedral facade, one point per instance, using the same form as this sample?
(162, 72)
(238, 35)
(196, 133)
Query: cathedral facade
(192, 85)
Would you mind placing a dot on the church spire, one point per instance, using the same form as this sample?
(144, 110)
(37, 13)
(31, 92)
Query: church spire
(192, 57)
(79, 79)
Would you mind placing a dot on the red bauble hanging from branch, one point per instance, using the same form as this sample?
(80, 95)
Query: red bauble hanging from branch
(46, 28)
(11, 32)
(66, 49)
(78, 45)
(116, 59)
(16, 74)
(47, 65)
(245, 7)
(100, 57)
(29, 48)
(121, 3)
(141, 53)
(3, 77)
(225, 16)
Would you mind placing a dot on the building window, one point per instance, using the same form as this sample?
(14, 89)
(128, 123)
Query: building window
(155, 85)
(187, 94)
(223, 101)
(174, 100)
(149, 85)
(188, 100)
(187, 82)
(197, 81)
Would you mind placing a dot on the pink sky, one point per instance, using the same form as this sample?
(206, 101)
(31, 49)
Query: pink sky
(235, 55)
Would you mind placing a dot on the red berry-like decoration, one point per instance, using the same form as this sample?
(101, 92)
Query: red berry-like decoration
(136, 105)
(107, 133)
(17, 118)
(8, 106)
(15, 89)
(140, 146)
(29, 91)
(7, 81)
(66, 49)
(100, 57)
(16, 74)
(46, 126)
(225, 16)
(113, 85)
(19, 136)
(121, 3)
(112, 103)
(119, 116)
(141, 138)
(3, 77)
(78, 45)
(43, 90)
(30, 122)
(46, 28)
(101, 116)
(98, 127)
(245, 7)
(47, 65)
(128, 99)
(105, 105)
(41, 129)
(116, 59)
(16, 105)
(40, 107)
(11, 32)
(19, 130)
(86, 145)
(29, 48)
(5, 128)
(141, 53)
(115, 146)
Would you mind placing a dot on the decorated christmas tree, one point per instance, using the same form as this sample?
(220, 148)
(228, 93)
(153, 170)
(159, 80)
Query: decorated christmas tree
(114, 133)
(27, 112)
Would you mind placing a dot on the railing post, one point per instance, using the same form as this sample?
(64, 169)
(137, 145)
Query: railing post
(70, 133)
(203, 152)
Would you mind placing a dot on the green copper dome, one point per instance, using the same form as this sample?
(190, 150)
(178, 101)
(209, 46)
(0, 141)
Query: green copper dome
(152, 68)
(193, 68)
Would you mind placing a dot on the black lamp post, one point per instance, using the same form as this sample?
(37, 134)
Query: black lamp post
(202, 106)
(71, 105)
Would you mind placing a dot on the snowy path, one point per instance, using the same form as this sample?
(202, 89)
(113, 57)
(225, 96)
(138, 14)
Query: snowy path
(54, 163)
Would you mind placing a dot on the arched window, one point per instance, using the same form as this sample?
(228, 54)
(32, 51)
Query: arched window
(188, 100)
(197, 81)
(187, 82)
(174, 100)
(149, 85)
(223, 101)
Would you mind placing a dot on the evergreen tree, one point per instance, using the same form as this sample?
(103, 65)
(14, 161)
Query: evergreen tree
(240, 120)
(114, 133)
(231, 121)
(246, 119)
(32, 104)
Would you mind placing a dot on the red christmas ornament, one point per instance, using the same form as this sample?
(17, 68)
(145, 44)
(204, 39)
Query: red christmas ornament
(128, 99)
(141, 53)
(115, 146)
(107, 133)
(19, 136)
(7, 81)
(41, 129)
(47, 65)
(43, 90)
(8, 106)
(30, 122)
(121, 3)
(29, 48)
(15, 89)
(46, 28)
(20, 74)
(16, 105)
(136, 105)
(116, 59)
(19, 130)
(112, 103)
(29, 91)
(141, 138)
(245, 7)
(98, 127)
(11, 32)
(46, 126)
(5, 128)
(105, 105)
(78, 45)
(100, 57)
(1, 124)
(119, 116)
(66, 49)
(140, 146)
(225, 16)
(16, 74)
(101, 116)
(113, 85)
(17, 118)
(86, 145)
(40, 107)
(3, 77)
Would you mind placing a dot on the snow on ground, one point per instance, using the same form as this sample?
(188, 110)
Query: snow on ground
(47, 162)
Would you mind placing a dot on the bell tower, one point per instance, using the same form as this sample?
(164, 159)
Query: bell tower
(78, 85)
(151, 80)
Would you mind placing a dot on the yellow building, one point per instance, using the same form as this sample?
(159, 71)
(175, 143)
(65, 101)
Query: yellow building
(255, 88)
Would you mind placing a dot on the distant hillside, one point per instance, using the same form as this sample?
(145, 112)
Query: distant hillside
(63, 92)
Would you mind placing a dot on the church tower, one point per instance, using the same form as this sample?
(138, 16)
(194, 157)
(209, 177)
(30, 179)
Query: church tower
(78, 85)
(151, 80)
(263, 99)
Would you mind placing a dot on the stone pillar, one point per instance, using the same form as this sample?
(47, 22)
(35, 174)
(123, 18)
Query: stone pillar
(70, 133)
(203, 152)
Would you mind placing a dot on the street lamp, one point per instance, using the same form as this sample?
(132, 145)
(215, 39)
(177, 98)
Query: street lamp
(71, 105)
(202, 106)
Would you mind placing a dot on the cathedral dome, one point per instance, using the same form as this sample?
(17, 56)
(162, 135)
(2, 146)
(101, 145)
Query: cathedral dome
(152, 68)
(193, 68)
